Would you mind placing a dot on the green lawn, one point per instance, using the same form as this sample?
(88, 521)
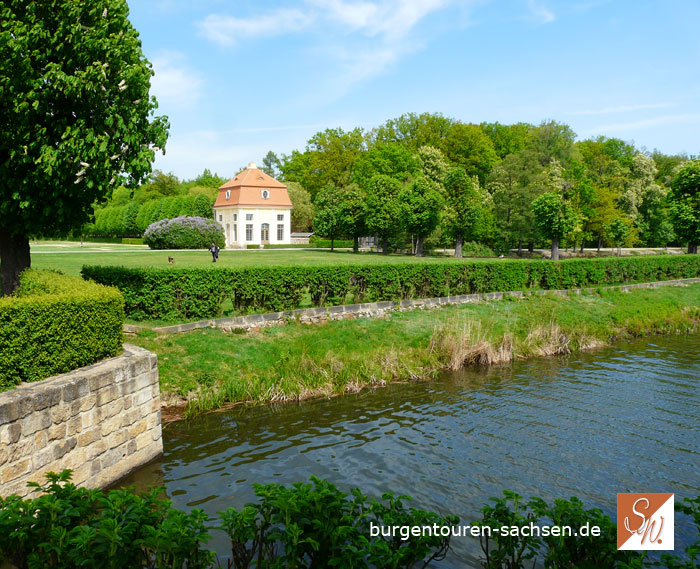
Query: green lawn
(69, 257)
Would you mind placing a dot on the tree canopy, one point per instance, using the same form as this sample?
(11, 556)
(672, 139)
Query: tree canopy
(75, 114)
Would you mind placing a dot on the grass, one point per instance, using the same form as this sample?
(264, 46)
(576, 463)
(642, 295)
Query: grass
(69, 257)
(210, 369)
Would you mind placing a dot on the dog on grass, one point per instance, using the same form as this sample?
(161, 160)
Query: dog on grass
(171, 260)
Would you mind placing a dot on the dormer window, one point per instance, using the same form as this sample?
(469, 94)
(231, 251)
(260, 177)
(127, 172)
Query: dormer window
(228, 194)
(265, 194)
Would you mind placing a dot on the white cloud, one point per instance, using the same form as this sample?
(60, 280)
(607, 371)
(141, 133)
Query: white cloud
(647, 123)
(226, 30)
(540, 12)
(175, 84)
(355, 15)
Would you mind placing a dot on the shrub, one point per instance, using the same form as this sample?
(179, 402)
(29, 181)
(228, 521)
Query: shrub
(131, 241)
(184, 233)
(56, 324)
(321, 243)
(303, 525)
(200, 293)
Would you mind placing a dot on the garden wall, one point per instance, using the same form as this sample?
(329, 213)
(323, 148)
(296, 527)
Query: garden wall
(102, 421)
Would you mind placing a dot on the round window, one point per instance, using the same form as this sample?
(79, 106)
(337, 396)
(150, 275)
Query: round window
(265, 194)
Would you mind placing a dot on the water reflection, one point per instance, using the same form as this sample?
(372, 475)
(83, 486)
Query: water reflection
(618, 420)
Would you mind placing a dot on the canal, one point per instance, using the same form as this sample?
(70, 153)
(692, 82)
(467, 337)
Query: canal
(620, 419)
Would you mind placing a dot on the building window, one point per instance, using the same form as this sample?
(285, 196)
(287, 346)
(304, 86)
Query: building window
(221, 217)
(235, 217)
(265, 194)
(280, 232)
(235, 232)
(280, 217)
(249, 232)
(228, 194)
(249, 217)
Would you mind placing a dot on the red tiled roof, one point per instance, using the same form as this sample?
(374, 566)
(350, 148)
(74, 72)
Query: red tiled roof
(247, 188)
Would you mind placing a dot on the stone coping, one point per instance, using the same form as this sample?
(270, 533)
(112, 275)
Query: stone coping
(373, 308)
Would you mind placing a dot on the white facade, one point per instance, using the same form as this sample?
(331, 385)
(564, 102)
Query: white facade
(254, 225)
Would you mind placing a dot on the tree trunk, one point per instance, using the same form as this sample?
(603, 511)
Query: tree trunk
(355, 243)
(385, 246)
(419, 246)
(520, 246)
(14, 258)
(600, 243)
(531, 247)
(582, 242)
(619, 250)
(458, 246)
(555, 248)
(332, 242)
(693, 248)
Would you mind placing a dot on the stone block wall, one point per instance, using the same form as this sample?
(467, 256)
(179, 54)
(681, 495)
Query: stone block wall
(101, 421)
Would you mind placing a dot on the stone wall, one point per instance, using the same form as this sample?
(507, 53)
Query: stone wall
(101, 421)
(374, 309)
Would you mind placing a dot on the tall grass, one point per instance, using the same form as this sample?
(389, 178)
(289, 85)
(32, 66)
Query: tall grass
(208, 369)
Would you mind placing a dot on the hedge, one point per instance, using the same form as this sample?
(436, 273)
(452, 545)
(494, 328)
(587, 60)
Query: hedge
(173, 294)
(56, 323)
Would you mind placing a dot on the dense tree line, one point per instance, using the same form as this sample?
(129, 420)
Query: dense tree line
(431, 179)
(420, 181)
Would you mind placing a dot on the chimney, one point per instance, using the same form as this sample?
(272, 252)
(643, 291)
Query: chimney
(252, 165)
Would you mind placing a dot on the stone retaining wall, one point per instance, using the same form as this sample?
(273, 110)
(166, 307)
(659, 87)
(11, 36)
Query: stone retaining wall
(101, 421)
(374, 309)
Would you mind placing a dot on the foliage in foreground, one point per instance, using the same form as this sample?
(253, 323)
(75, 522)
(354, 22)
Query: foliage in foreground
(301, 526)
(312, 525)
(564, 552)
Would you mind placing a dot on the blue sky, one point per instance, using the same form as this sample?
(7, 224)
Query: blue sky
(240, 77)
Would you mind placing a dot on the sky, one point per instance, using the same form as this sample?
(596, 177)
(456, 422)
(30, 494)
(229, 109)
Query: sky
(238, 78)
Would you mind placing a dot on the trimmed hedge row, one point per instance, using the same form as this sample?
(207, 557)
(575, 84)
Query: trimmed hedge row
(56, 324)
(172, 294)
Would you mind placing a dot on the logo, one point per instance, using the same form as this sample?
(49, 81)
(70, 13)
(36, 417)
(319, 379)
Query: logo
(645, 521)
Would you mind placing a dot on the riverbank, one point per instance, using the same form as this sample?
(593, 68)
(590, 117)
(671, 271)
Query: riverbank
(209, 369)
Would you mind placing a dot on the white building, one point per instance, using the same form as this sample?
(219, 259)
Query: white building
(254, 209)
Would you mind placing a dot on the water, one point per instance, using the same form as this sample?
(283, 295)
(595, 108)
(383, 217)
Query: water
(623, 419)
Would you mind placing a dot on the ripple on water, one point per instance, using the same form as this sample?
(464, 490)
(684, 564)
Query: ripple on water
(617, 420)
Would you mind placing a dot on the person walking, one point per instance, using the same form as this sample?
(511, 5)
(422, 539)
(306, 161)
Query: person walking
(214, 250)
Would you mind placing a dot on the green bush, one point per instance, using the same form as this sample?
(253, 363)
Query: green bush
(200, 293)
(131, 241)
(252, 246)
(303, 526)
(321, 243)
(55, 324)
(184, 232)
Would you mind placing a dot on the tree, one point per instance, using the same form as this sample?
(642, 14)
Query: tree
(271, 164)
(421, 204)
(685, 205)
(433, 163)
(76, 118)
(202, 207)
(467, 145)
(467, 205)
(129, 217)
(618, 232)
(507, 139)
(552, 141)
(327, 216)
(353, 214)
(413, 131)
(384, 209)
(302, 208)
(555, 217)
(389, 159)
